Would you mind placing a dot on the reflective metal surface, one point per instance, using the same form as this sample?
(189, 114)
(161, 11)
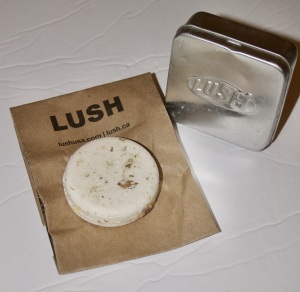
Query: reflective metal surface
(229, 80)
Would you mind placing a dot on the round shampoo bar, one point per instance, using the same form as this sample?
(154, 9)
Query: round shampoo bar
(111, 181)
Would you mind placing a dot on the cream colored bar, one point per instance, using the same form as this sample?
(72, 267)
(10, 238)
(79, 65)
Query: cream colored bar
(111, 181)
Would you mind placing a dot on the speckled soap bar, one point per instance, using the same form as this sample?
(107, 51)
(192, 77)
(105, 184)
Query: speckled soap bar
(111, 181)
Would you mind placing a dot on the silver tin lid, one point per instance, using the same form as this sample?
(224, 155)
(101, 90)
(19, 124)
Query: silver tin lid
(229, 80)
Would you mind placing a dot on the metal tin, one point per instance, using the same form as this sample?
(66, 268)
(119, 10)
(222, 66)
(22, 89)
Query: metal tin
(229, 80)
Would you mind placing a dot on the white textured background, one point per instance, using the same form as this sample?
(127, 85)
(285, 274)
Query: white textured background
(48, 48)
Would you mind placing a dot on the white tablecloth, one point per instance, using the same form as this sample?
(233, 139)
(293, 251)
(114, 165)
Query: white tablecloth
(48, 48)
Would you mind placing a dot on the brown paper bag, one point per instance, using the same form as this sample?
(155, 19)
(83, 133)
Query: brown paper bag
(49, 131)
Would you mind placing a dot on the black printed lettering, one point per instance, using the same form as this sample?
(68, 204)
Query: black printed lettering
(92, 113)
(55, 124)
(93, 110)
(80, 118)
(110, 106)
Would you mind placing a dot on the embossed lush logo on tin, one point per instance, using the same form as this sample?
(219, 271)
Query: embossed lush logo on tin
(222, 94)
